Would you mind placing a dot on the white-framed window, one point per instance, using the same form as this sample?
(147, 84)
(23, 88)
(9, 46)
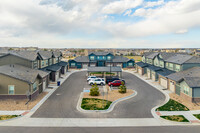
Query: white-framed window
(91, 57)
(42, 63)
(109, 57)
(170, 65)
(35, 65)
(73, 64)
(11, 89)
(34, 87)
(186, 90)
(178, 67)
(130, 64)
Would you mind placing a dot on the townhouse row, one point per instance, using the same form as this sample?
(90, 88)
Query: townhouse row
(28, 73)
(179, 73)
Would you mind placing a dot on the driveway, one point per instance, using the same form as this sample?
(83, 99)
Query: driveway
(62, 103)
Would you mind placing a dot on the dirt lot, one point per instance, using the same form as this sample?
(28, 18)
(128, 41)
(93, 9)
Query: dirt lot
(11, 105)
(190, 105)
(112, 95)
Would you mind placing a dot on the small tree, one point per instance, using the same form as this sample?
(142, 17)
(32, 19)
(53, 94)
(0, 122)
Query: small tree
(94, 91)
(122, 88)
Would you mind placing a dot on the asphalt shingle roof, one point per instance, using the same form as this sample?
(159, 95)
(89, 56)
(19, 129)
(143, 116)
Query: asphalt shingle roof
(164, 72)
(54, 68)
(45, 54)
(120, 59)
(154, 68)
(100, 53)
(142, 64)
(22, 73)
(152, 55)
(192, 81)
(62, 63)
(105, 69)
(179, 58)
(192, 72)
(81, 59)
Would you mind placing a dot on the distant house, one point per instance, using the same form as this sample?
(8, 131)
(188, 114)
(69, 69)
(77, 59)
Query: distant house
(17, 81)
(100, 59)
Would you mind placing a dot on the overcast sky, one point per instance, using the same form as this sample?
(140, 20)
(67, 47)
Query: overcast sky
(100, 23)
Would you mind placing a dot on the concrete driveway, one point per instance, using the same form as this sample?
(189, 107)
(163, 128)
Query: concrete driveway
(62, 103)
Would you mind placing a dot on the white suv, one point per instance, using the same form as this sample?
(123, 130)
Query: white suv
(91, 77)
(98, 81)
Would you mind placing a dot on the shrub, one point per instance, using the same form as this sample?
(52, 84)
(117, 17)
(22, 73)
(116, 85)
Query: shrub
(94, 91)
(122, 88)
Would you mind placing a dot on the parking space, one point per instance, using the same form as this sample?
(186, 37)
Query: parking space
(64, 104)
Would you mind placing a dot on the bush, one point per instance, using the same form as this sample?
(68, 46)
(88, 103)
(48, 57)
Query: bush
(94, 91)
(122, 88)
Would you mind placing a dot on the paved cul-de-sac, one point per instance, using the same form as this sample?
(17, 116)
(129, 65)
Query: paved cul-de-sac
(62, 103)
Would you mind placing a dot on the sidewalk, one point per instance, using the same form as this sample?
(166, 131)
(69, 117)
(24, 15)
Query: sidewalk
(50, 91)
(187, 114)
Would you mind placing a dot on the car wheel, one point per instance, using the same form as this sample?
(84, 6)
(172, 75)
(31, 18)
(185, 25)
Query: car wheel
(91, 83)
(102, 84)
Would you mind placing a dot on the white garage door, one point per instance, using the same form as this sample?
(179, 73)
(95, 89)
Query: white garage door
(172, 86)
(163, 82)
(140, 71)
(153, 77)
(149, 74)
(85, 65)
(57, 76)
(120, 65)
(44, 85)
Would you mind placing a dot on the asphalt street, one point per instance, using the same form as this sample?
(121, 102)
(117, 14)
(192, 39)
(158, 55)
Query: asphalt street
(62, 103)
(174, 129)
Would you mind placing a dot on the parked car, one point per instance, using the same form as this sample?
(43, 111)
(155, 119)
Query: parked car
(98, 81)
(115, 83)
(111, 79)
(91, 77)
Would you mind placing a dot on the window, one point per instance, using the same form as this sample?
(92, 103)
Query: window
(42, 63)
(170, 65)
(73, 64)
(91, 57)
(11, 89)
(109, 57)
(35, 65)
(178, 67)
(56, 60)
(47, 62)
(34, 87)
(50, 61)
(186, 90)
(130, 64)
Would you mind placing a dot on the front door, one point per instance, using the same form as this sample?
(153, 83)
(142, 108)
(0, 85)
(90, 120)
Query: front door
(101, 63)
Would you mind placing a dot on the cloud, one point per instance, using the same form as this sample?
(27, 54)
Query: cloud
(183, 31)
(118, 7)
(153, 3)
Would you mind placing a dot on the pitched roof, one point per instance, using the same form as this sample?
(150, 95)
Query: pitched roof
(54, 68)
(165, 55)
(192, 72)
(142, 64)
(56, 53)
(152, 55)
(154, 68)
(179, 58)
(29, 55)
(164, 72)
(194, 59)
(81, 59)
(45, 54)
(120, 59)
(62, 63)
(22, 73)
(192, 81)
(100, 53)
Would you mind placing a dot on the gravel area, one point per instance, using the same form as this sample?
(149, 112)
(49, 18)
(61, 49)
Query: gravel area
(190, 105)
(11, 105)
(112, 95)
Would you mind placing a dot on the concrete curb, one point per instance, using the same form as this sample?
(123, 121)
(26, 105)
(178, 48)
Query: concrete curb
(35, 108)
(153, 110)
(103, 111)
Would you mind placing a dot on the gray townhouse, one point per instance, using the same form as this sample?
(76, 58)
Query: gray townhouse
(158, 66)
(47, 62)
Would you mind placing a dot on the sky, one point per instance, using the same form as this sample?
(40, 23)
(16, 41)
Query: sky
(100, 23)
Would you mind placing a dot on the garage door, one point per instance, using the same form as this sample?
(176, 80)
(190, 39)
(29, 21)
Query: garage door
(57, 76)
(153, 77)
(148, 74)
(120, 65)
(93, 65)
(140, 71)
(85, 65)
(172, 86)
(44, 85)
(163, 82)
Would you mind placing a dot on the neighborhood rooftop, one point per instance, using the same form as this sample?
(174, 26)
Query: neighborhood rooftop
(104, 69)
(22, 73)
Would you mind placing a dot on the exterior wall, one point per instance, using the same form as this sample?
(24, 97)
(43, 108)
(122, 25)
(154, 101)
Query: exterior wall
(70, 64)
(196, 92)
(144, 59)
(46, 63)
(21, 87)
(10, 59)
(169, 80)
(187, 66)
(183, 85)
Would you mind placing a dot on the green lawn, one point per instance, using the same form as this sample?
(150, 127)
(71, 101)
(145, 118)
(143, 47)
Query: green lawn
(6, 117)
(172, 105)
(95, 104)
(197, 116)
(178, 118)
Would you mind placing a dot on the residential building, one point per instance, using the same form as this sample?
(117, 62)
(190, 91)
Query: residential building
(100, 59)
